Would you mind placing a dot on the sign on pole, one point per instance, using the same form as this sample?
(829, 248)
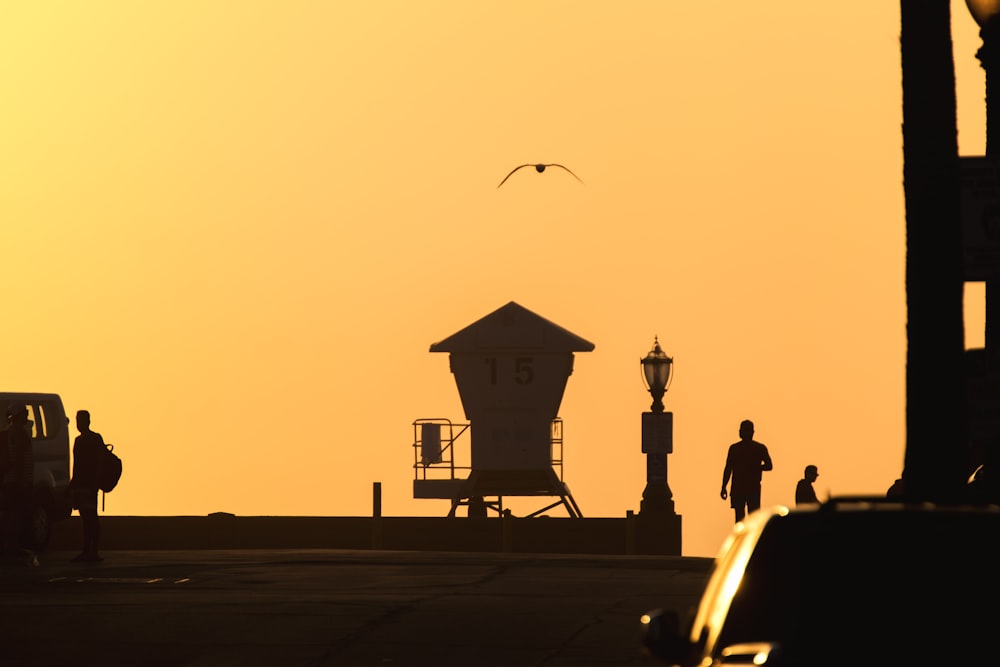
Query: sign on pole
(982, 373)
(980, 188)
(657, 432)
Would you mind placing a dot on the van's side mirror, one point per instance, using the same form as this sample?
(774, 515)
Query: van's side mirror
(661, 636)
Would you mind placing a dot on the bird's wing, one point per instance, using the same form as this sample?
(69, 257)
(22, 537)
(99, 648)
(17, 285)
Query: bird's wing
(512, 171)
(566, 168)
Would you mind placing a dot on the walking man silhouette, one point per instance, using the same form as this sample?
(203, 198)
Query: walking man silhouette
(745, 464)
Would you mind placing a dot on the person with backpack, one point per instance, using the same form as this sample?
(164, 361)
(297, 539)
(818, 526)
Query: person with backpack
(88, 448)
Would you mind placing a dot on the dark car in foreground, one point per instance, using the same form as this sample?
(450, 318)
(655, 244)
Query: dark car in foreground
(847, 582)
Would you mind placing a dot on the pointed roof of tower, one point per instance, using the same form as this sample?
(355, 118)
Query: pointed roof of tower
(513, 327)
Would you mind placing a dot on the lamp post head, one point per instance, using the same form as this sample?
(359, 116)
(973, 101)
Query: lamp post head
(656, 367)
(983, 11)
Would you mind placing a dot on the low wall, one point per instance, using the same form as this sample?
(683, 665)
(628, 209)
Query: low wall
(630, 535)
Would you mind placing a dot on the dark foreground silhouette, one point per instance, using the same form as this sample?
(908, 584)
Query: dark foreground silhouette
(848, 582)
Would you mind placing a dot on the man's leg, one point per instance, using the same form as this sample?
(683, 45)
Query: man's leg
(87, 506)
(91, 531)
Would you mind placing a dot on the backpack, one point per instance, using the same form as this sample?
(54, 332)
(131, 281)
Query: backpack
(109, 469)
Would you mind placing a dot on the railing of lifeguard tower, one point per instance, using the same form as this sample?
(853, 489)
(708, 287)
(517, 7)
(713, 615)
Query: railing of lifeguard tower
(434, 448)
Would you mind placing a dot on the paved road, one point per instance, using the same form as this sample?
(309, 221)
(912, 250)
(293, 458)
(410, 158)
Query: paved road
(319, 608)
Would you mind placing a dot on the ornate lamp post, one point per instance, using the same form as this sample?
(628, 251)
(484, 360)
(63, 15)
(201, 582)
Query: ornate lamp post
(657, 433)
(986, 13)
(984, 365)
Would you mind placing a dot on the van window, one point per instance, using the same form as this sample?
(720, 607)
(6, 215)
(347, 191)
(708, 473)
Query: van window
(43, 419)
(36, 418)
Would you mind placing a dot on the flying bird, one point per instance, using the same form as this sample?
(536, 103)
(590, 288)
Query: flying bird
(539, 168)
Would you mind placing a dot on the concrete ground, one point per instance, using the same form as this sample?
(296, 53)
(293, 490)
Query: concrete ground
(322, 607)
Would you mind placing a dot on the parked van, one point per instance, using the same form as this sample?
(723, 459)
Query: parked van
(50, 449)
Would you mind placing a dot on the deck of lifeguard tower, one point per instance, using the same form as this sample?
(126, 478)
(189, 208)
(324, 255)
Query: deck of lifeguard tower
(438, 476)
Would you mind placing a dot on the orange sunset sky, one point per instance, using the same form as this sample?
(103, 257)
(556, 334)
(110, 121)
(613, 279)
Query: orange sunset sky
(232, 230)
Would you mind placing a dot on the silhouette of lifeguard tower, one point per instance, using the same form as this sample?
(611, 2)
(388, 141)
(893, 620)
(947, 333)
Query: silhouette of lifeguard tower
(511, 369)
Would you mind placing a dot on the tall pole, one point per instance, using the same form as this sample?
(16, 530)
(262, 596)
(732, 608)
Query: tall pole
(936, 459)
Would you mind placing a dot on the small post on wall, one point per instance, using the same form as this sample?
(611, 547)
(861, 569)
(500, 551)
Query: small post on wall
(376, 515)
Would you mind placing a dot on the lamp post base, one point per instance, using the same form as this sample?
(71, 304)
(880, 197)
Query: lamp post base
(657, 500)
(655, 529)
